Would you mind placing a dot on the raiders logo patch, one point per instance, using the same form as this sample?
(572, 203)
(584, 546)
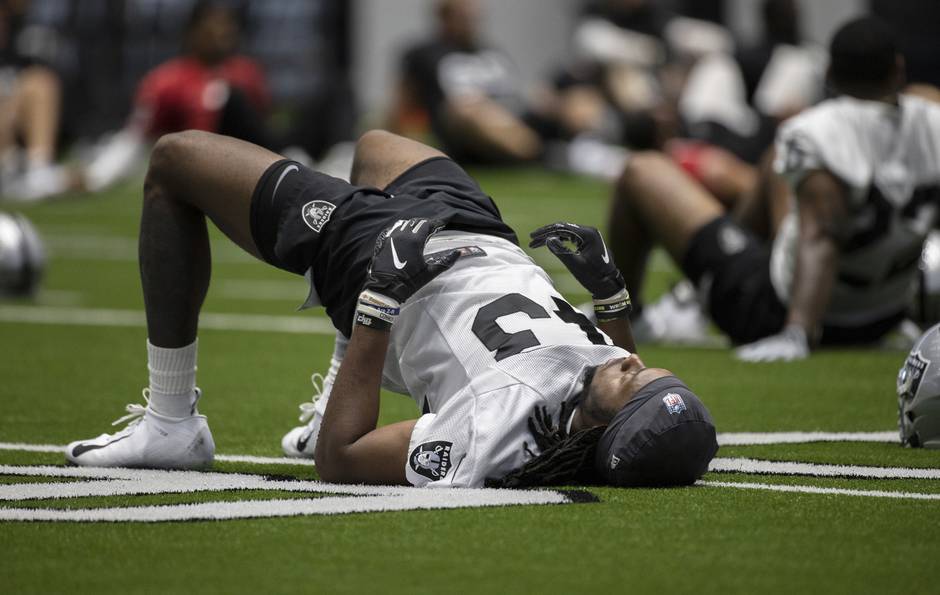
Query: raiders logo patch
(431, 459)
(317, 213)
(910, 375)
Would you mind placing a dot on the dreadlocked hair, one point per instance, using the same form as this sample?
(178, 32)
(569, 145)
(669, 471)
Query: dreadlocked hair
(570, 461)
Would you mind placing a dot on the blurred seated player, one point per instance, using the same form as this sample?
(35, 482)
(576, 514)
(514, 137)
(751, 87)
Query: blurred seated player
(432, 297)
(468, 91)
(30, 106)
(209, 87)
(863, 175)
(737, 100)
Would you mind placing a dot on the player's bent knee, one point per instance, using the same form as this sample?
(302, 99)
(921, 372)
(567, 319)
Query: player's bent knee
(372, 143)
(167, 154)
(642, 167)
(173, 151)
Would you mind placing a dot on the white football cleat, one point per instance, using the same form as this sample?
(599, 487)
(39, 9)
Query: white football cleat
(150, 440)
(302, 440)
(675, 318)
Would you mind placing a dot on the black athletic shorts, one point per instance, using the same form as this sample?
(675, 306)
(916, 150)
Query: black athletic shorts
(302, 219)
(733, 267)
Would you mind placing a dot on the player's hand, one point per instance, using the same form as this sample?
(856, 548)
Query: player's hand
(587, 258)
(787, 345)
(399, 267)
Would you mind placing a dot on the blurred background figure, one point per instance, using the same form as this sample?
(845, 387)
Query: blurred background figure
(573, 84)
(30, 105)
(466, 91)
(210, 87)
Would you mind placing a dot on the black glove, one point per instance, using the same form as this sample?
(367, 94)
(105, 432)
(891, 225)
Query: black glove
(590, 264)
(399, 269)
(589, 261)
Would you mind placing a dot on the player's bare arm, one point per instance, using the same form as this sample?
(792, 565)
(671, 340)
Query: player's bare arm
(822, 210)
(350, 449)
(583, 251)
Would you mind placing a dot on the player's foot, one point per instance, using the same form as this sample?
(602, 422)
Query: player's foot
(37, 182)
(676, 317)
(302, 440)
(150, 440)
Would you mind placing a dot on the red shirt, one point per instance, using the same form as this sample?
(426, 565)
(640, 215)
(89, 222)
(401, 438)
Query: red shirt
(185, 93)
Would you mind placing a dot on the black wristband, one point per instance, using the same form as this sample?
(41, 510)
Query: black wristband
(373, 322)
(616, 306)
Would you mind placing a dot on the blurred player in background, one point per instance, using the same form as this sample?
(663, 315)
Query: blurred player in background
(468, 90)
(30, 108)
(210, 87)
(864, 175)
(431, 297)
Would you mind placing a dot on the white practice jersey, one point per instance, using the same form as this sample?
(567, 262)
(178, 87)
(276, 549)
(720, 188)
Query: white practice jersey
(889, 159)
(479, 349)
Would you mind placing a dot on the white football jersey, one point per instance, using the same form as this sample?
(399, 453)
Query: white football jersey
(889, 159)
(479, 349)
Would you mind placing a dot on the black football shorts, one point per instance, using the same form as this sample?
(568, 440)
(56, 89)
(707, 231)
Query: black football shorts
(304, 220)
(733, 267)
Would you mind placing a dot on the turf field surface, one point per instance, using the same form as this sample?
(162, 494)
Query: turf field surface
(856, 515)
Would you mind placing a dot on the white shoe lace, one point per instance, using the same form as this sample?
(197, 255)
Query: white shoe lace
(135, 411)
(309, 408)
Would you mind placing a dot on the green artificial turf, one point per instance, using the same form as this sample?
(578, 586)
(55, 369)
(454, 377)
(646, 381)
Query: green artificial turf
(62, 382)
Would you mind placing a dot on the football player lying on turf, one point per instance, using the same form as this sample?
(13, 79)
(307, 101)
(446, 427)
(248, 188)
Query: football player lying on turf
(437, 301)
(864, 173)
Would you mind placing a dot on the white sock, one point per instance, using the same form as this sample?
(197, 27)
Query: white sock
(172, 379)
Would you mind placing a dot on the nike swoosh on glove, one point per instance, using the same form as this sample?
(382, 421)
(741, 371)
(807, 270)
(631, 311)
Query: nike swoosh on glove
(588, 260)
(399, 267)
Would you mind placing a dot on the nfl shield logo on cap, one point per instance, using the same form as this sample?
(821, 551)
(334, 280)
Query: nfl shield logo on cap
(674, 404)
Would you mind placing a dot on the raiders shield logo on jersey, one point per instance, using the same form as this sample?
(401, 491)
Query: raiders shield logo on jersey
(316, 213)
(431, 459)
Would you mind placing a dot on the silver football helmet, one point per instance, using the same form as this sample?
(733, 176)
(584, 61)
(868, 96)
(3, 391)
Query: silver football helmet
(925, 307)
(22, 256)
(919, 393)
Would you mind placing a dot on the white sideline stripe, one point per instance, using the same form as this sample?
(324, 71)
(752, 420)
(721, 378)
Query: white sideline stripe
(718, 465)
(22, 446)
(134, 318)
(754, 438)
(255, 460)
(819, 490)
(253, 509)
(344, 499)
(743, 465)
(252, 459)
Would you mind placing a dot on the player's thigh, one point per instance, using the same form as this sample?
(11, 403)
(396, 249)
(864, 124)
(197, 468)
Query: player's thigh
(216, 174)
(673, 205)
(381, 157)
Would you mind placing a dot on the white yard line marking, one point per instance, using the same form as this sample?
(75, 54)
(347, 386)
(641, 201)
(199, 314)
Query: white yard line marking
(753, 438)
(22, 446)
(251, 459)
(342, 499)
(819, 490)
(742, 465)
(133, 318)
(254, 460)
(367, 498)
